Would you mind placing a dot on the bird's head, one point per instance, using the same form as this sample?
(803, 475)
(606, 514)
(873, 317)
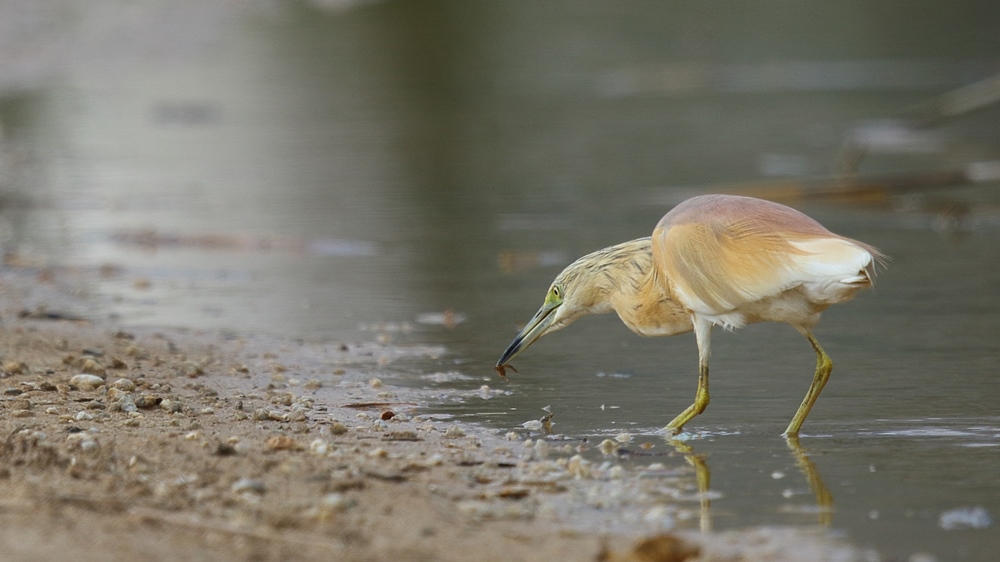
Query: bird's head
(577, 291)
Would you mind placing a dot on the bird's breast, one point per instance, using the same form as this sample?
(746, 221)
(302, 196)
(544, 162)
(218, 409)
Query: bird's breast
(650, 319)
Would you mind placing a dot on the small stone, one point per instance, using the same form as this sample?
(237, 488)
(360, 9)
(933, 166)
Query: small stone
(319, 447)
(147, 401)
(338, 428)
(21, 413)
(387, 415)
(454, 432)
(15, 368)
(92, 367)
(608, 447)
(117, 363)
(336, 502)
(249, 485)
(173, 406)
(282, 443)
(86, 381)
(225, 449)
(12, 391)
(83, 415)
(192, 370)
(123, 384)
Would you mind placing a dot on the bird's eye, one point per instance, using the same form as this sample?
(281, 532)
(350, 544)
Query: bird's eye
(555, 292)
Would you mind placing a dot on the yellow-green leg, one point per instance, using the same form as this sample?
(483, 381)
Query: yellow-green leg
(700, 403)
(703, 334)
(823, 367)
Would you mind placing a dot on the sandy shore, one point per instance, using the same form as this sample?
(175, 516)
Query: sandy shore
(169, 444)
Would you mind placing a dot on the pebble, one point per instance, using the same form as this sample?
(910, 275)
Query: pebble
(92, 367)
(608, 447)
(148, 401)
(375, 383)
(83, 415)
(454, 432)
(319, 447)
(173, 406)
(124, 384)
(86, 381)
(336, 502)
(281, 443)
(249, 485)
(337, 428)
(83, 441)
(191, 369)
(15, 368)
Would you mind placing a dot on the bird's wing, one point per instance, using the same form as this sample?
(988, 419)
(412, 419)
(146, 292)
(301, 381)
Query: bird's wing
(714, 269)
(720, 252)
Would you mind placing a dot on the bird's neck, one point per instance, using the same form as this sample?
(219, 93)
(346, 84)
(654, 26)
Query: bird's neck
(640, 296)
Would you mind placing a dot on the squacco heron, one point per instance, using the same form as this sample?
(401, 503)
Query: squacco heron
(713, 260)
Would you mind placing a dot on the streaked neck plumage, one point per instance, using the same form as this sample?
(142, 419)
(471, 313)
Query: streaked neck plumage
(622, 278)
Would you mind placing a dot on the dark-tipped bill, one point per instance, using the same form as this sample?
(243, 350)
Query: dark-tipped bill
(537, 326)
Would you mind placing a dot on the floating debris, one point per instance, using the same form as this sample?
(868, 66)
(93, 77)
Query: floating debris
(449, 318)
(965, 518)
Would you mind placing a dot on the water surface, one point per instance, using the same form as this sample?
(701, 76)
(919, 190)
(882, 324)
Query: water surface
(421, 175)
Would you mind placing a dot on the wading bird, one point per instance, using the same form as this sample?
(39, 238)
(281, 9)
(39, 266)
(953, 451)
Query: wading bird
(713, 260)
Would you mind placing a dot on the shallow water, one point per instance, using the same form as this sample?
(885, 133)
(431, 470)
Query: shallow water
(378, 171)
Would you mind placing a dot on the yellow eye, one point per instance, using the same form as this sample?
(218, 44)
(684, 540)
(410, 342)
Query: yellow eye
(556, 293)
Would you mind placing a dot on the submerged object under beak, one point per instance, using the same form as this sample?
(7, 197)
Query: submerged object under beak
(534, 329)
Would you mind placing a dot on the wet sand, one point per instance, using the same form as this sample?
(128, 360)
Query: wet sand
(173, 444)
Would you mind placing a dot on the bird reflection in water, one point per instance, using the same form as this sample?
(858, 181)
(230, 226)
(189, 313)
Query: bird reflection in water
(703, 477)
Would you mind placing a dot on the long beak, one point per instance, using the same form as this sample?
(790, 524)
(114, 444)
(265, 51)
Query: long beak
(537, 326)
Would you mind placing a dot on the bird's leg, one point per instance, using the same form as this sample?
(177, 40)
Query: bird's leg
(823, 367)
(703, 335)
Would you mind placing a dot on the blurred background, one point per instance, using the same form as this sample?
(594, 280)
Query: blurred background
(419, 171)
